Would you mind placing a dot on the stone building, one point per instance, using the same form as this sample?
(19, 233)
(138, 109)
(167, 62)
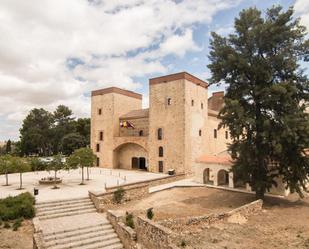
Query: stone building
(179, 127)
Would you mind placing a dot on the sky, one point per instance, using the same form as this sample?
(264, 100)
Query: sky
(56, 52)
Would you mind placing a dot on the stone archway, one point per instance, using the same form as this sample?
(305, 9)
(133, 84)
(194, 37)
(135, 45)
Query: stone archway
(130, 156)
(206, 176)
(223, 177)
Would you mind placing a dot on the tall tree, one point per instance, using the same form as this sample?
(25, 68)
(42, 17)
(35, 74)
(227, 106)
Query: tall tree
(8, 148)
(72, 142)
(82, 158)
(63, 125)
(265, 98)
(82, 126)
(35, 133)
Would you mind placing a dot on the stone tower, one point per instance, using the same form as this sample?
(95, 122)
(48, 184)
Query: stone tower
(177, 117)
(107, 105)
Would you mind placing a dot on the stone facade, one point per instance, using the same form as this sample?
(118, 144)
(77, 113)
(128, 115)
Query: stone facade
(178, 110)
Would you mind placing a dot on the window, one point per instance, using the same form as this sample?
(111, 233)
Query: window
(160, 134)
(169, 101)
(98, 161)
(215, 133)
(101, 136)
(141, 133)
(202, 106)
(226, 135)
(200, 133)
(160, 151)
(192, 102)
(100, 111)
(98, 148)
(161, 170)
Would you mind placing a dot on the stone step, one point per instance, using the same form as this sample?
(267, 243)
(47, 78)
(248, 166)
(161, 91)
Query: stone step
(42, 209)
(81, 237)
(54, 216)
(61, 203)
(64, 210)
(100, 246)
(103, 225)
(105, 241)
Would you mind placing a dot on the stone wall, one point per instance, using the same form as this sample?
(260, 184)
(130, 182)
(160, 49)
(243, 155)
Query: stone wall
(197, 223)
(38, 240)
(126, 234)
(133, 191)
(151, 235)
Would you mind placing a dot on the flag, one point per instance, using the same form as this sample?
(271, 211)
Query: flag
(126, 124)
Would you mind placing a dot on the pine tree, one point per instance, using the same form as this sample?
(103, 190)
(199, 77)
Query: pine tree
(266, 97)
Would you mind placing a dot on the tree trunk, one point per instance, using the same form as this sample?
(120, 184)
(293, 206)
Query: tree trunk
(55, 180)
(87, 173)
(6, 179)
(21, 180)
(260, 193)
(82, 176)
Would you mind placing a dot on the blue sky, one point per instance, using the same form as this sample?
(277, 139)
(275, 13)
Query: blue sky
(55, 52)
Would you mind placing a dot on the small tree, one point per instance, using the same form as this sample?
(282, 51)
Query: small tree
(118, 195)
(55, 165)
(81, 158)
(6, 167)
(8, 148)
(20, 165)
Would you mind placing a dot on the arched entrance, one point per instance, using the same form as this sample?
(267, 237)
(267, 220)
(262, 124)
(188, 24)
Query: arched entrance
(223, 177)
(130, 156)
(206, 176)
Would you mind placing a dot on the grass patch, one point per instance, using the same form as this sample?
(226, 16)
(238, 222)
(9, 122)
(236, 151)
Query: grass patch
(13, 208)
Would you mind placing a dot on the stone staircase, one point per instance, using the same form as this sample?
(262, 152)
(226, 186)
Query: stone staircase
(56, 209)
(75, 224)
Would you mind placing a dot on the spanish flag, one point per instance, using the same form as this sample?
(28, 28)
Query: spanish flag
(126, 124)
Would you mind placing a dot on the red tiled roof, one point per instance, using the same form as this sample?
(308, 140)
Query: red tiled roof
(227, 160)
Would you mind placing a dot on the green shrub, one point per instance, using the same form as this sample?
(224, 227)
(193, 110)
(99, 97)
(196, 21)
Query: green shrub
(118, 195)
(129, 220)
(7, 225)
(17, 224)
(21, 206)
(150, 213)
(183, 243)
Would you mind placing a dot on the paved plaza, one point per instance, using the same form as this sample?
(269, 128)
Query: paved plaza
(70, 188)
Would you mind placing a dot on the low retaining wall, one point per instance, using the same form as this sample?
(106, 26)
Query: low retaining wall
(133, 191)
(126, 234)
(153, 236)
(38, 240)
(200, 222)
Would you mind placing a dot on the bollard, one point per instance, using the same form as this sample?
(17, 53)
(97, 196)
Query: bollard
(117, 182)
(125, 178)
(119, 174)
(105, 185)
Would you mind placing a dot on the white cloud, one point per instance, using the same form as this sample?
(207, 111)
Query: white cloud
(115, 40)
(302, 9)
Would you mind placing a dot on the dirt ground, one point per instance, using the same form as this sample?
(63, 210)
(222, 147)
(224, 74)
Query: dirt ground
(21, 239)
(281, 224)
(183, 202)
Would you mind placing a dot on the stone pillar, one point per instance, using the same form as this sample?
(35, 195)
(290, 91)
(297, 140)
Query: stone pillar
(215, 178)
(231, 179)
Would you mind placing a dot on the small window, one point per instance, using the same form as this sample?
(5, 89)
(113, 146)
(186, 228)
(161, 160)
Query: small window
(215, 133)
(100, 111)
(141, 133)
(226, 135)
(169, 101)
(200, 133)
(161, 170)
(101, 136)
(160, 134)
(98, 148)
(192, 102)
(161, 151)
(202, 105)
(98, 161)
